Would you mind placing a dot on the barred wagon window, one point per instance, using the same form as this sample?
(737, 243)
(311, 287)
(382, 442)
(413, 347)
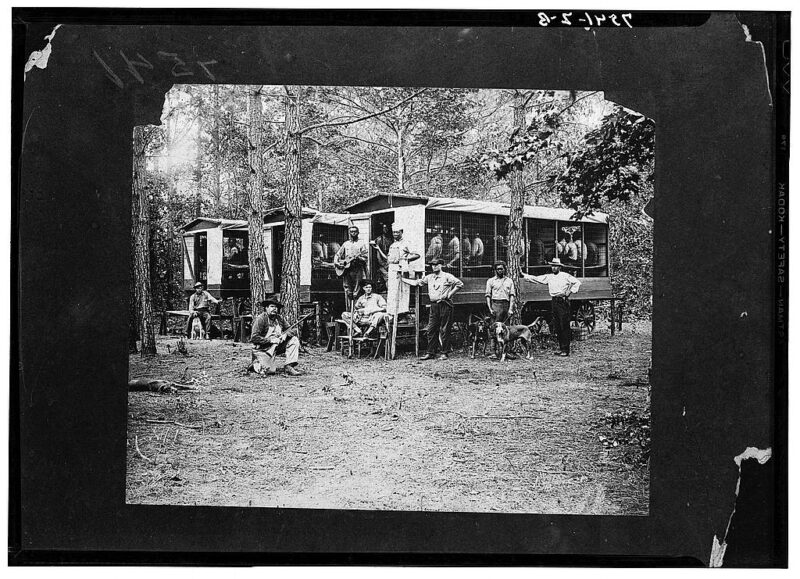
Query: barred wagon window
(596, 238)
(443, 239)
(567, 250)
(235, 262)
(326, 239)
(541, 245)
(477, 235)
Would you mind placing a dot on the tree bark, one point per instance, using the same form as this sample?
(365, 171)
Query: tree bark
(198, 166)
(255, 198)
(140, 231)
(401, 166)
(515, 234)
(217, 155)
(290, 273)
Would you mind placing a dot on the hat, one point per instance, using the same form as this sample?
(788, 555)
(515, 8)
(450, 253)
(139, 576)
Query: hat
(499, 263)
(271, 301)
(199, 284)
(367, 282)
(397, 227)
(436, 261)
(556, 261)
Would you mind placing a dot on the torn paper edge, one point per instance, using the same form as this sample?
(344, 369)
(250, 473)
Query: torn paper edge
(718, 548)
(39, 58)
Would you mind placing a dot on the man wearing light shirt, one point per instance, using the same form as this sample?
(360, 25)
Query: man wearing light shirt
(560, 285)
(370, 309)
(441, 287)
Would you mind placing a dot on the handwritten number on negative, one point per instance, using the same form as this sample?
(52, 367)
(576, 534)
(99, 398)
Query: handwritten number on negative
(132, 64)
(178, 62)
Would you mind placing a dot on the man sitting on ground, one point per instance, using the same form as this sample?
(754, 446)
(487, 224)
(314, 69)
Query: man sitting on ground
(370, 310)
(272, 336)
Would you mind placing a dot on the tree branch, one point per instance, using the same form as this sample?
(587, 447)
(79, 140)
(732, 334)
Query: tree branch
(363, 118)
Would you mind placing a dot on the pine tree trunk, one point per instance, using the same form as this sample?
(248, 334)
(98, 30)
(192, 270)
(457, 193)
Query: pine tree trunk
(217, 155)
(401, 162)
(515, 235)
(133, 311)
(290, 273)
(255, 198)
(141, 229)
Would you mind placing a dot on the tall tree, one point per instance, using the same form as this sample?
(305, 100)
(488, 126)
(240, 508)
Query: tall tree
(217, 153)
(255, 216)
(292, 209)
(141, 250)
(514, 237)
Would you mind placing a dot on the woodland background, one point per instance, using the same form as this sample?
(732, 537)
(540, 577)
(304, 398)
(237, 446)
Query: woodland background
(236, 151)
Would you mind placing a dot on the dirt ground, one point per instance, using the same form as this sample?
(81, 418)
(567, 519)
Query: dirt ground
(523, 436)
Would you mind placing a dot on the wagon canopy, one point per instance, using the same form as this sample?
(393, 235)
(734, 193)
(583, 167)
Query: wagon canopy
(494, 208)
(383, 201)
(201, 223)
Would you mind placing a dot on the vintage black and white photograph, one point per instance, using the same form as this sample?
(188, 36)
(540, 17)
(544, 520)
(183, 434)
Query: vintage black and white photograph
(391, 298)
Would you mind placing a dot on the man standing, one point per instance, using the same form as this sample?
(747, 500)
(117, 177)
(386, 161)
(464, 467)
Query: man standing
(560, 285)
(370, 309)
(466, 248)
(500, 298)
(384, 241)
(198, 302)
(352, 258)
(441, 287)
(477, 249)
(436, 245)
(272, 336)
(500, 294)
(453, 250)
(399, 256)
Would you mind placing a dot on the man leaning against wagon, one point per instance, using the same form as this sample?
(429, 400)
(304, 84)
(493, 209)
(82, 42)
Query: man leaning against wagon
(560, 285)
(441, 287)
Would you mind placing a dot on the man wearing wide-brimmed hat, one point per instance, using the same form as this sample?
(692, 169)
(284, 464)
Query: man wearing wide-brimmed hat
(561, 285)
(198, 303)
(271, 336)
(441, 287)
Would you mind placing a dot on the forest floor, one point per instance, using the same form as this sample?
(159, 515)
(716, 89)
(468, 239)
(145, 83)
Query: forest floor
(523, 436)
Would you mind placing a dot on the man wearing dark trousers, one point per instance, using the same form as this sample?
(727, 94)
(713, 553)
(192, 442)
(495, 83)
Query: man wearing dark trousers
(441, 287)
(199, 304)
(560, 285)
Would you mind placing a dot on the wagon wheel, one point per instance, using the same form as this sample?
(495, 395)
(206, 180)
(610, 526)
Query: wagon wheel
(585, 316)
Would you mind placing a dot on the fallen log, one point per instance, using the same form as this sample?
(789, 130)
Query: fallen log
(160, 386)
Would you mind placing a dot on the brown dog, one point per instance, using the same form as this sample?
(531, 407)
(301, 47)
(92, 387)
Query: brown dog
(505, 335)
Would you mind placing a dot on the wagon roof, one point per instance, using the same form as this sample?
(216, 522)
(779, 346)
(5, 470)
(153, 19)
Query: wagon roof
(212, 223)
(381, 201)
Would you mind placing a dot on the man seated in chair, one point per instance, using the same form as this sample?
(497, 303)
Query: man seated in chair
(199, 304)
(272, 336)
(370, 311)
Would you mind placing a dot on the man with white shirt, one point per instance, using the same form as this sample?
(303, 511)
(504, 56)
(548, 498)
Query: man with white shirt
(441, 287)
(560, 285)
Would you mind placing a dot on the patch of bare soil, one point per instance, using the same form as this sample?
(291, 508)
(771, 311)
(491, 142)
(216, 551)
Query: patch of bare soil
(523, 436)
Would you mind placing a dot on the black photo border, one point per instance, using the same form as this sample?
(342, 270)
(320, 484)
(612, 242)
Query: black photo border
(719, 333)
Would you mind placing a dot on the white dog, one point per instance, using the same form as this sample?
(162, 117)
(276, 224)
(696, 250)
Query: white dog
(198, 333)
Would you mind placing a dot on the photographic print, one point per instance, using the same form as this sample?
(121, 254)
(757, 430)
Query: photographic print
(392, 298)
(397, 287)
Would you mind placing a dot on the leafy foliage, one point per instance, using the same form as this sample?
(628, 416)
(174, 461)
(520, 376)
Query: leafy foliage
(616, 161)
